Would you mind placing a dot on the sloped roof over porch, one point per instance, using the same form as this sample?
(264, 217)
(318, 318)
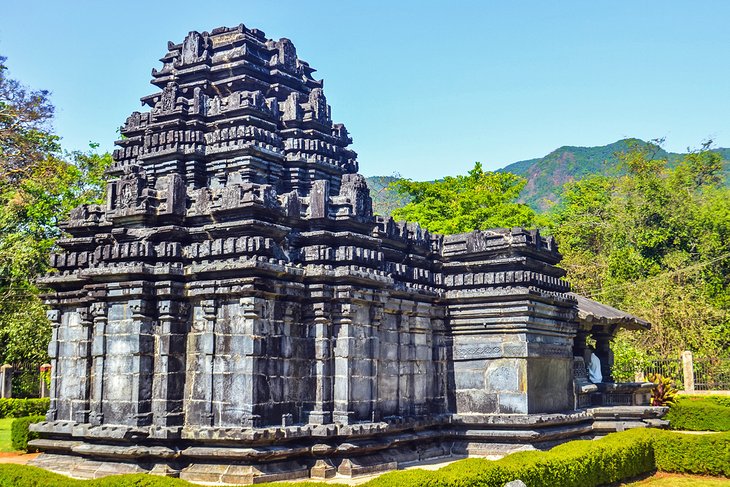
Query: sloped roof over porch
(592, 313)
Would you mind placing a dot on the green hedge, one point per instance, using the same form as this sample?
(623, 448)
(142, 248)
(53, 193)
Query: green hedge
(577, 463)
(700, 413)
(617, 457)
(707, 454)
(17, 408)
(20, 435)
(714, 399)
(27, 476)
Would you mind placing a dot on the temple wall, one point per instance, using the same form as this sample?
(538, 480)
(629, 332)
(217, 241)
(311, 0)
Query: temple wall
(69, 357)
(550, 384)
(511, 324)
(170, 337)
(128, 363)
(249, 363)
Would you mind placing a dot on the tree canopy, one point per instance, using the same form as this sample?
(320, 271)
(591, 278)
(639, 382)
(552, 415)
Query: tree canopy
(655, 242)
(476, 201)
(39, 185)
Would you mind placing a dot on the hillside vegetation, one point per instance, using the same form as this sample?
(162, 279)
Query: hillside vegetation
(546, 175)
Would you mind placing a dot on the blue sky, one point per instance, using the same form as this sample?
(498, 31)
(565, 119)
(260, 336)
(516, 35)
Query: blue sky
(425, 88)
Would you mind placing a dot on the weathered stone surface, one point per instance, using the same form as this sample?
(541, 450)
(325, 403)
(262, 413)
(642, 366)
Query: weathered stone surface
(235, 312)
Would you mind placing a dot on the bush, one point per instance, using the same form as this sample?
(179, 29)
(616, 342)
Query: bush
(136, 480)
(20, 435)
(17, 408)
(695, 413)
(617, 457)
(578, 463)
(663, 393)
(720, 400)
(696, 454)
(27, 476)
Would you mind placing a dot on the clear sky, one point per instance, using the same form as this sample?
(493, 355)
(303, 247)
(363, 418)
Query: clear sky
(426, 88)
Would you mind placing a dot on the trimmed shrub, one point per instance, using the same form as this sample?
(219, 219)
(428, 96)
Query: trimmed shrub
(17, 408)
(137, 480)
(584, 463)
(27, 476)
(719, 400)
(20, 435)
(697, 454)
(577, 463)
(696, 413)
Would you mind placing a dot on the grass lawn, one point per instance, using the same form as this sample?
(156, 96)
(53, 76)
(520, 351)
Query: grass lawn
(5, 434)
(671, 480)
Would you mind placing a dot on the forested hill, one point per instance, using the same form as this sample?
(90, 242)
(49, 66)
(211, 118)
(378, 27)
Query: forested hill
(384, 200)
(546, 175)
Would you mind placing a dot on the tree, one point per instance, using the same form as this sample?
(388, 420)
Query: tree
(478, 200)
(655, 242)
(39, 185)
(25, 135)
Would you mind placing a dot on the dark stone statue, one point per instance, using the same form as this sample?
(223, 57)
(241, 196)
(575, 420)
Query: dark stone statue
(235, 311)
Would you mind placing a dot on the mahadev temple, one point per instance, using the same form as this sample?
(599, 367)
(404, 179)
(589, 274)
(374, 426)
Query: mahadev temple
(234, 312)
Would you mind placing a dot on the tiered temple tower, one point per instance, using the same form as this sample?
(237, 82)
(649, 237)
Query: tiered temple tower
(235, 312)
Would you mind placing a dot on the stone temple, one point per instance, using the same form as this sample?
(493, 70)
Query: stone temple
(235, 312)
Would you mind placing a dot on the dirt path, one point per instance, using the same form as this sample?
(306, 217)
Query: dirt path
(18, 458)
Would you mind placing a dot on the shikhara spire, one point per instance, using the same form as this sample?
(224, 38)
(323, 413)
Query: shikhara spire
(234, 104)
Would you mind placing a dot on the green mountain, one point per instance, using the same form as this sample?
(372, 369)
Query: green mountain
(547, 175)
(385, 200)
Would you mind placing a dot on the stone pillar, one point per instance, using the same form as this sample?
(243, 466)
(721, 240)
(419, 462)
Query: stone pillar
(254, 390)
(373, 354)
(323, 367)
(406, 355)
(43, 386)
(442, 382)
(169, 363)
(6, 381)
(81, 406)
(142, 316)
(69, 351)
(423, 382)
(688, 371)
(54, 316)
(98, 352)
(604, 353)
(342, 366)
(579, 344)
(389, 365)
(199, 372)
